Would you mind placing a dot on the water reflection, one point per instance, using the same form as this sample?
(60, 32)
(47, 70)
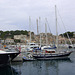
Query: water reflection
(8, 70)
(50, 67)
(49, 63)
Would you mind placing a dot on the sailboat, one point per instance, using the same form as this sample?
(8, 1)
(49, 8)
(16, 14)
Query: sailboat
(30, 45)
(52, 54)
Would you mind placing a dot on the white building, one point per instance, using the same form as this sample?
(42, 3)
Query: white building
(9, 41)
(21, 37)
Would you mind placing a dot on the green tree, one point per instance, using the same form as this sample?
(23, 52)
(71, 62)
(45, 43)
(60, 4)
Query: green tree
(70, 34)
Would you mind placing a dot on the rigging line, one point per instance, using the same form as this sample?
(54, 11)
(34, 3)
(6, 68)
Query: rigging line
(46, 31)
(61, 30)
(50, 30)
(48, 26)
(64, 27)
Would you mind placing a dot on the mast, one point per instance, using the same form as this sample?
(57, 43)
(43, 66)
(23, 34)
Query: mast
(56, 28)
(46, 32)
(40, 31)
(37, 27)
(30, 27)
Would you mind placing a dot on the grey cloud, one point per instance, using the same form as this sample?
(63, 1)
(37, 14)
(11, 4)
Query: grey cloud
(17, 12)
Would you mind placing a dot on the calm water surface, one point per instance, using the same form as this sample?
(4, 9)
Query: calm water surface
(50, 67)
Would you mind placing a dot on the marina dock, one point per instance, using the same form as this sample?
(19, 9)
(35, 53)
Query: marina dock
(18, 59)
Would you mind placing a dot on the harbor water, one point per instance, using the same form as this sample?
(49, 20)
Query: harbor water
(44, 67)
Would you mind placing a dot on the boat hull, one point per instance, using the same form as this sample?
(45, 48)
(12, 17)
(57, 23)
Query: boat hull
(52, 56)
(28, 59)
(6, 58)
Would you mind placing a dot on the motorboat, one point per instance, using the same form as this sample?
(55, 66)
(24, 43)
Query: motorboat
(31, 46)
(48, 47)
(28, 57)
(7, 55)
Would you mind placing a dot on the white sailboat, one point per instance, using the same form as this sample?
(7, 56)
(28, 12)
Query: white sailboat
(31, 46)
(52, 54)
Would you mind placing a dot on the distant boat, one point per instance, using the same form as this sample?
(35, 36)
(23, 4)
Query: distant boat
(51, 53)
(70, 46)
(28, 57)
(31, 46)
(48, 47)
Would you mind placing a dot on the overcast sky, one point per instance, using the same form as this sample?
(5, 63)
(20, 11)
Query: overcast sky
(14, 14)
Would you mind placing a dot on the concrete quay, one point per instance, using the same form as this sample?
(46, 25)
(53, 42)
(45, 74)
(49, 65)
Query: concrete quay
(18, 58)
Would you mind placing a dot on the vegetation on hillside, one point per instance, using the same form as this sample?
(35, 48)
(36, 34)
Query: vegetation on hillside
(5, 34)
(10, 34)
(66, 34)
